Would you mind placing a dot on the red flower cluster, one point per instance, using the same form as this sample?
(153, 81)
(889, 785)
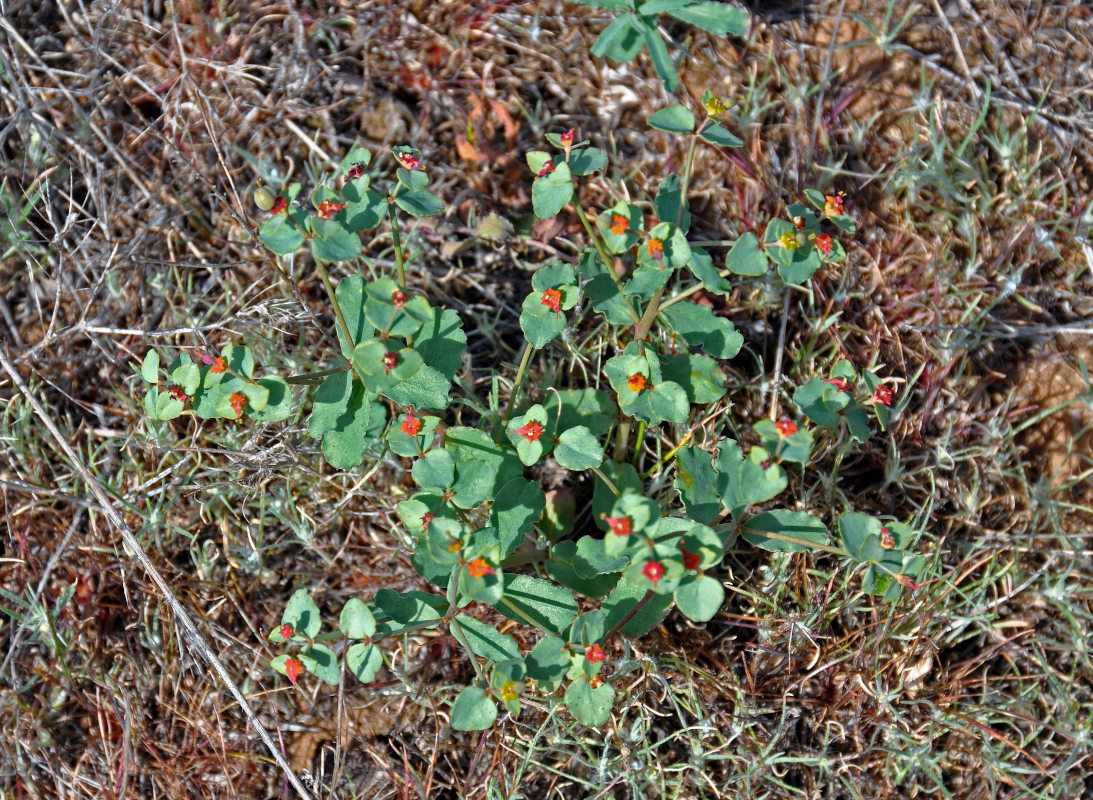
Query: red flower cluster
(238, 401)
(286, 631)
(690, 560)
(280, 206)
(653, 570)
(825, 244)
(620, 526)
(834, 206)
(548, 168)
(177, 393)
(478, 568)
(883, 395)
(842, 384)
(411, 426)
(594, 654)
(328, 209)
(530, 431)
(399, 298)
(355, 171)
(408, 160)
(567, 138)
(552, 299)
(390, 361)
(786, 426)
(293, 668)
(637, 382)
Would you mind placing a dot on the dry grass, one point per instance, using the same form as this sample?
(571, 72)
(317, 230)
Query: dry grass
(134, 135)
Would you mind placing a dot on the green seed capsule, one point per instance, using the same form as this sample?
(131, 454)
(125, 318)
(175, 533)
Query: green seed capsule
(263, 198)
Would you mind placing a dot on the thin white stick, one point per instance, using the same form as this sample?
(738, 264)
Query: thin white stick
(182, 616)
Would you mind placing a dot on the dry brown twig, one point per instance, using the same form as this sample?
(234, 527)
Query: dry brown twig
(181, 615)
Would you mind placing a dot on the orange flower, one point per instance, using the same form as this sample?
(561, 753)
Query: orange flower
(825, 244)
(328, 208)
(656, 249)
(882, 395)
(293, 668)
(390, 361)
(408, 161)
(552, 299)
(478, 568)
(219, 365)
(237, 401)
(620, 526)
(690, 560)
(654, 571)
(280, 206)
(786, 426)
(637, 382)
(567, 138)
(411, 426)
(887, 540)
(834, 206)
(842, 384)
(530, 431)
(619, 224)
(594, 654)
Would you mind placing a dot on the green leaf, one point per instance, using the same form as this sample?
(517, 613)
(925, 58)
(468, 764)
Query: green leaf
(561, 567)
(321, 662)
(746, 258)
(398, 320)
(441, 342)
(426, 388)
(696, 482)
(421, 203)
(587, 160)
(302, 614)
(716, 18)
(668, 202)
(861, 536)
(803, 528)
(331, 401)
(795, 264)
(188, 376)
(406, 609)
(577, 449)
(351, 297)
(699, 597)
(537, 602)
(365, 211)
(280, 235)
(548, 662)
(590, 706)
(699, 326)
(403, 444)
(589, 407)
(518, 506)
(482, 467)
(486, 588)
(372, 361)
(624, 598)
(674, 119)
(621, 40)
(539, 323)
(588, 629)
(700, 376)
(550, 193)
(364, 661)
(168, 407)
(436, 471)
(658, 51)
(602, 291)
(473, 710)
(356, 621)
(412, 179)
(719, 135)
(149, 368)
(345, 442)
(486, 641)
(340, 245)
(821, 402)
(278, 400)
(592, 559)
(796, 447)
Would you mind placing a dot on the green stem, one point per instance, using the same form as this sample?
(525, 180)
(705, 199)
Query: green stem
(453, 624)
(671, 301)
(605, 257)
(396, 240)
(632, 613)
(806, 543)
(599, 473)
(521, 371)
(334, 302)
